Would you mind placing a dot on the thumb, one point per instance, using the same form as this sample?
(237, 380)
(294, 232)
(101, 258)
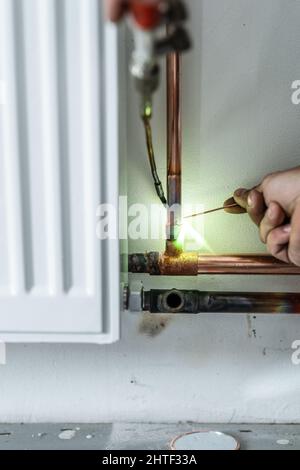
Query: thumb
(252, 202)
(241, 197)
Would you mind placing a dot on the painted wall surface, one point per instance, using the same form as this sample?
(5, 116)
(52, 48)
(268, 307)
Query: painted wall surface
(239, 123)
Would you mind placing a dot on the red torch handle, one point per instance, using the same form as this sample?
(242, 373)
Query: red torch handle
(146, 13)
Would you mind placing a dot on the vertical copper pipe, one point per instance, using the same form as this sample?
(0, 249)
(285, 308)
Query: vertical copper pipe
(174, 146)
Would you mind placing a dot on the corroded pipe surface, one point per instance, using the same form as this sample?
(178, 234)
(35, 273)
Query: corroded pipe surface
(193, 264)
(193, 302)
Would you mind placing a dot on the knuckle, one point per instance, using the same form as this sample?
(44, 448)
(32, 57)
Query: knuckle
(268, 178)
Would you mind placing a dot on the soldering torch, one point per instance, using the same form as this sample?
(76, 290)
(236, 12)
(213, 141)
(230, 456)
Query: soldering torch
(158, 29)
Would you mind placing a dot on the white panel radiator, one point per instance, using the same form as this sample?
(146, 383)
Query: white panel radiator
(58, 161)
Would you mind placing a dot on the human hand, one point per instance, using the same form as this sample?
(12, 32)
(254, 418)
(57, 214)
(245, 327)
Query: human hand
(115, 9)
(274, 206)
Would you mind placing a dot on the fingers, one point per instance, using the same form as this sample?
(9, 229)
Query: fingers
(283, 241)
(273, 218)
(253, 202)
(278, 242)
(294, 245)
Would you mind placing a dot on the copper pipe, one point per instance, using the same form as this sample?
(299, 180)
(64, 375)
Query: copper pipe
(174, 262)
(194, 264)
(174, 145)
(244, 264)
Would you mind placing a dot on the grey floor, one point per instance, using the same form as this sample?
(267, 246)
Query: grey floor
(138, 436)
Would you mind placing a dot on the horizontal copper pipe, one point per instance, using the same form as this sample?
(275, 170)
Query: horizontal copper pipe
(194, 264)
(244, 264)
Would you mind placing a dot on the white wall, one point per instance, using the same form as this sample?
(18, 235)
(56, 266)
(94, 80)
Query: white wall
(238, 118)
(217, 369)
(239, 123)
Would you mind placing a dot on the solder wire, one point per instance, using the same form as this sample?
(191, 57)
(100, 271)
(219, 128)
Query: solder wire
(146, 118)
